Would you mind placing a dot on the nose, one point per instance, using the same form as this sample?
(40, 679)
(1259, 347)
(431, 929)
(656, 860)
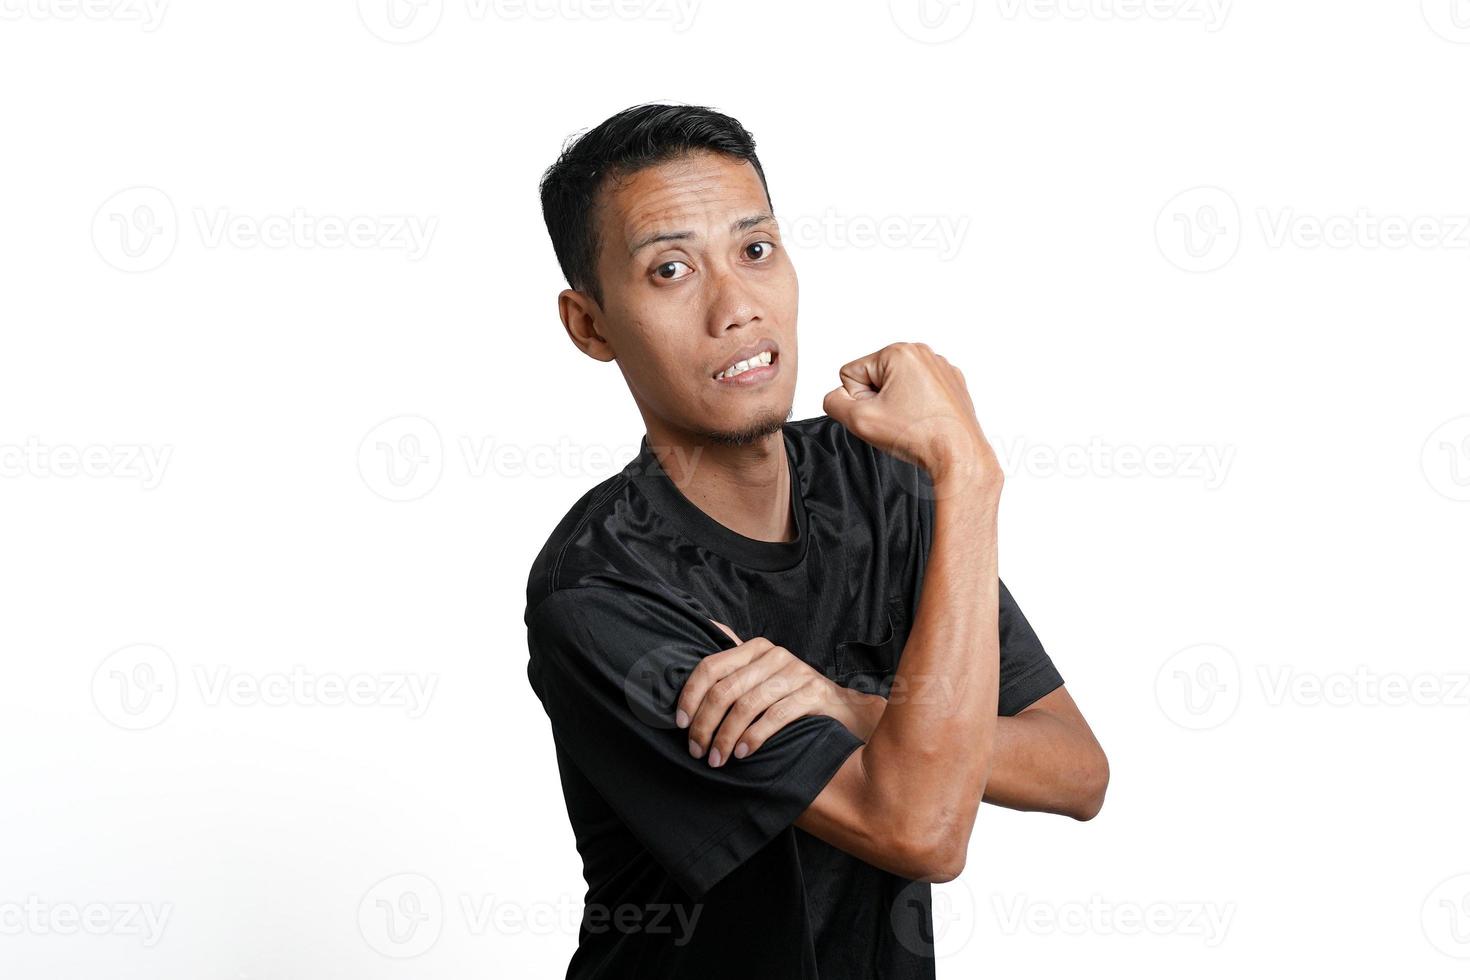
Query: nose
(733, 303)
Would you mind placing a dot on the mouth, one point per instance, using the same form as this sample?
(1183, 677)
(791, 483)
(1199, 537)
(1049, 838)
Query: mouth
(749, 366)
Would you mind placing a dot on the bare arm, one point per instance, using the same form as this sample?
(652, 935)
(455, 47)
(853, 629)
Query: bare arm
(1046, 757)
(906, 801)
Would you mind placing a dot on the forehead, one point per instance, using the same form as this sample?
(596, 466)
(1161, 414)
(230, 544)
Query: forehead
(699, 192)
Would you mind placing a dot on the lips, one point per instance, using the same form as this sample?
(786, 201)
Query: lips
(746, 353)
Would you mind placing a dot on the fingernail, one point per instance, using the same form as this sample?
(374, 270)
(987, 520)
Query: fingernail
(714, 757)
(694, 748)
(681, 719)
(741, 750)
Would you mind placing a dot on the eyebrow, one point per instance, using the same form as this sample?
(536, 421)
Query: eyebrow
(736, 227)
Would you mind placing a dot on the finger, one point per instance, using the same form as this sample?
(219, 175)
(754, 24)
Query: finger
(723, 693)
(843, 406)
(775, 718)
(863, 377)
(710, 671)
(748, 707)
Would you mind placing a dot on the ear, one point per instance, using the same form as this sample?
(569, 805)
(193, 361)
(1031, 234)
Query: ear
(581, 316)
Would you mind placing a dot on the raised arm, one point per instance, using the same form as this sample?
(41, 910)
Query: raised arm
(906, 801)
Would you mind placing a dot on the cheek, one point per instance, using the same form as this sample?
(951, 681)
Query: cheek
(658, 363)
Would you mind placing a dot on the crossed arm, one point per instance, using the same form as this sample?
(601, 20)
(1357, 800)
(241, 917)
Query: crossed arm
(1046, 757)
(906, 799)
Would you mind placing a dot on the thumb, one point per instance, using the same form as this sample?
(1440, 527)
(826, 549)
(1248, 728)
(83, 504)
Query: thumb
(838, 403)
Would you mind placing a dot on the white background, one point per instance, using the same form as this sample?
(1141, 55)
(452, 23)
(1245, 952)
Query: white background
(358, 447)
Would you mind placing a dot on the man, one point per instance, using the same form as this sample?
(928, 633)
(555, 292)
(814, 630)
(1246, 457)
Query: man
(780, 667)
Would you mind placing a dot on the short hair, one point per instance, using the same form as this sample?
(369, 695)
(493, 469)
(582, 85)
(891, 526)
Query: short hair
(639, 137)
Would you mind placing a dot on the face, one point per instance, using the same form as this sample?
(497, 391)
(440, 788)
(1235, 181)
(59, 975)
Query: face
(694, 279)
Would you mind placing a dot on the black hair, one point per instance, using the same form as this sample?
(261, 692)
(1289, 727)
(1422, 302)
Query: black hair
(638, 137)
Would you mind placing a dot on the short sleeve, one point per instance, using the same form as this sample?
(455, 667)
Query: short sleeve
(1026, 671)
(608, 666)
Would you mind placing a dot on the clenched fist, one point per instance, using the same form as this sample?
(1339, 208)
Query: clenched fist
(912, 403)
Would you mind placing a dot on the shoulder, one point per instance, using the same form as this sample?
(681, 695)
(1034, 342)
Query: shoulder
(582, 534)
(826, 449)
(833, 451)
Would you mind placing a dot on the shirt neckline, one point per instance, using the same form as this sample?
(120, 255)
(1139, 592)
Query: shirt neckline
(695, 524)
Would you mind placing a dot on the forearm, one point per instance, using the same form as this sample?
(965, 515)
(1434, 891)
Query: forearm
(925, 789)
(1039, 761)
(1043, 763)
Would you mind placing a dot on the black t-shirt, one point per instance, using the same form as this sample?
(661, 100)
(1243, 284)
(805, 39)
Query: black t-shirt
(698, 872)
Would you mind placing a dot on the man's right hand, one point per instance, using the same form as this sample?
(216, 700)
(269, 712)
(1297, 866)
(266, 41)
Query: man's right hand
(912, 403)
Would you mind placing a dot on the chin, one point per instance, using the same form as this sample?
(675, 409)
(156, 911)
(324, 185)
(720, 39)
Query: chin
(756, 428)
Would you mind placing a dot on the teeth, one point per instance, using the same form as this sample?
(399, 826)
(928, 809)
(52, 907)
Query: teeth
(740, 367)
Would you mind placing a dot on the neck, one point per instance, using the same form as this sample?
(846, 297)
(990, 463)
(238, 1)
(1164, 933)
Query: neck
(746, 488)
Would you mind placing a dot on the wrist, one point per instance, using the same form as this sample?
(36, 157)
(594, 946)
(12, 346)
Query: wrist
(967, 466)
(863, 712)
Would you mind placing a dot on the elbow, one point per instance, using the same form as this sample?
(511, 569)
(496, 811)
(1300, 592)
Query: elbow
(944, 866)
(937, 858)
(1094, 788)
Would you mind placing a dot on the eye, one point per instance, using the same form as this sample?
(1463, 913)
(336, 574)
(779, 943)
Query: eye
(769, 247)
(668, 270)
